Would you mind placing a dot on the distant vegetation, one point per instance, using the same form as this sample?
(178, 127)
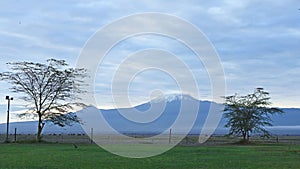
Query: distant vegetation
(249, 114)
(50, 90)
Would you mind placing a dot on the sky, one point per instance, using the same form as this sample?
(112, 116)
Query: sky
(257, 43)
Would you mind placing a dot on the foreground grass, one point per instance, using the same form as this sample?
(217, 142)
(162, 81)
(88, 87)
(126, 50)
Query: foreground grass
(91, 156)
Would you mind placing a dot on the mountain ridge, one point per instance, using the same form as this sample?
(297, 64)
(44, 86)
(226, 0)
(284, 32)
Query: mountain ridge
(287, 123)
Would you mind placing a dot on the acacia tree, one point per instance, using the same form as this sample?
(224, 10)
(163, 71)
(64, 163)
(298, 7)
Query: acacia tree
(249, 114)
(49, 89)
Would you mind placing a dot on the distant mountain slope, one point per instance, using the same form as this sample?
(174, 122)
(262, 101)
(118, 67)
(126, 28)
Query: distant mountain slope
(288, 123)
(291, 117)
(30, 127)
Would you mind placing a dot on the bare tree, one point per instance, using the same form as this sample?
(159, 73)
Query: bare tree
(249, 113)
(50, 90)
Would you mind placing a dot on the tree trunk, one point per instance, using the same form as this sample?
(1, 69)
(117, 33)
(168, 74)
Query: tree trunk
(248, 137)
(244, 137)
(40, 129)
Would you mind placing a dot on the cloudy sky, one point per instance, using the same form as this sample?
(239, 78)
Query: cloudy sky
(257, 42)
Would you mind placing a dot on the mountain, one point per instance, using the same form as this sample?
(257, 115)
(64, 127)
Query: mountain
(291, 117)
(143, 119)
(170, 106)
(30, 127)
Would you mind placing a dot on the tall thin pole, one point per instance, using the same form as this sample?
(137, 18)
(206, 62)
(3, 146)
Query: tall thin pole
(7, 122)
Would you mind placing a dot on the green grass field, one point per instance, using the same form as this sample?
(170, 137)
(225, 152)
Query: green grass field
(91, 156)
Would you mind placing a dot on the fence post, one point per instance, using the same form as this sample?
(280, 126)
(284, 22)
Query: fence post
(92, 135)
(170, 136)
(15, 134)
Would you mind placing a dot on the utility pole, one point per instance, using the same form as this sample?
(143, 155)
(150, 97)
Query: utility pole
(7, 123)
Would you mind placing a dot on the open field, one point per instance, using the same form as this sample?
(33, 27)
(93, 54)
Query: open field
(91, 156)
(189, 140)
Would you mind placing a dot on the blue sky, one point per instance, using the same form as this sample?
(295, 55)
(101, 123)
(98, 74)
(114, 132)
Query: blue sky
(257, 41)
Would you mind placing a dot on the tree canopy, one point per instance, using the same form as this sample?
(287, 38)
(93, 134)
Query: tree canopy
(49, 89)
(249, 114)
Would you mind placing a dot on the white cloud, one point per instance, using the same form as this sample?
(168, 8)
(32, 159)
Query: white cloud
(258, 41)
